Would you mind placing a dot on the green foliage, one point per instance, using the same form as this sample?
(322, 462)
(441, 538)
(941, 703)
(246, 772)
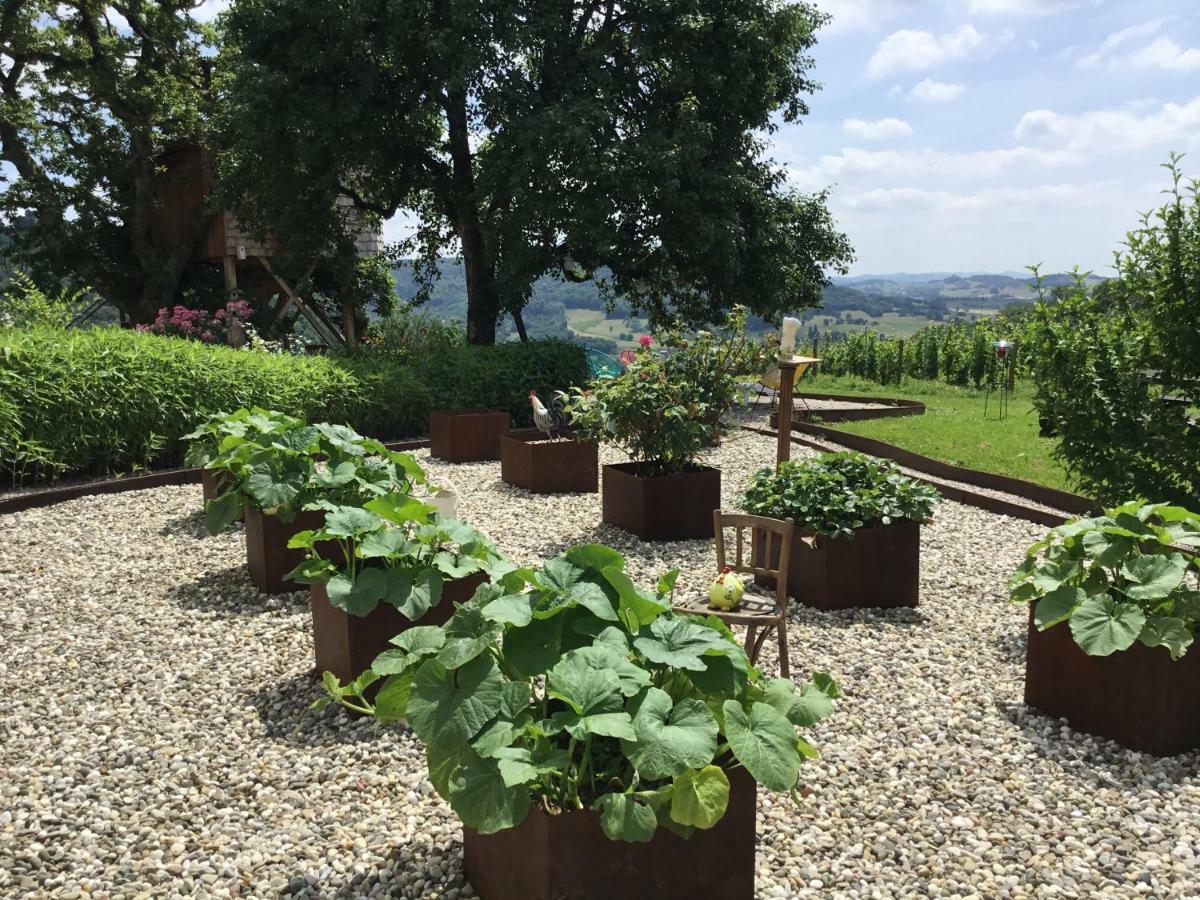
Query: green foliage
(569, 687)
(593, 158)
(1118, 578)
(839, 493)
(25, 305)
(108, 400)
(1118, 372)
(394, 549)
(279, 465)
(408, 335)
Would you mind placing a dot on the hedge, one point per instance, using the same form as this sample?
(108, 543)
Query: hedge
(108, 400)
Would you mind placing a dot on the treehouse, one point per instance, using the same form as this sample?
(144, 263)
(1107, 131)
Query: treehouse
(183, 185)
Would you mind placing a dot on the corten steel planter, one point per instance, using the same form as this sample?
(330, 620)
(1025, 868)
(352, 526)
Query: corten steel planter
(468, 435)
(567, 857)
(661, 507)
(346, 645)
(1138, 697)
(267, 553)
(878, 568)
(528, 460)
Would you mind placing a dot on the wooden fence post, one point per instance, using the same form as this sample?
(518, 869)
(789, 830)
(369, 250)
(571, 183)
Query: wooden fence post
(899, 360)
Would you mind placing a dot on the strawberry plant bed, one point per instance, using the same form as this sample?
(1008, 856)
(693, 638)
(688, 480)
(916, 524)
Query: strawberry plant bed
(661, 507)
(1138, 697)
(878, 567)
(568, 857)
(267, 553)
(467, 435)
(346, 645)
(529, 460)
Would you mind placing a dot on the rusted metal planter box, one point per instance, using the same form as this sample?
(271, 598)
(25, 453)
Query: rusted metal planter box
(346, 645)
(528, 460)
(879, 567)
(1138, 697)
(467, 435)
(267, 553)
(567, 857)
(215, 484)
(662, 507)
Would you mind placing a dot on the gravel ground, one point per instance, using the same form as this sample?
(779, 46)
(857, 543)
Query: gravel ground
(155, 738)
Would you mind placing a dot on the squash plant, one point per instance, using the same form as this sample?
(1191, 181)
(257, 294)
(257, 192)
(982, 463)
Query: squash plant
(1125, 576)
(285, 466)
(569, 687)
(395, 549)
(839, 493)
(221, 432)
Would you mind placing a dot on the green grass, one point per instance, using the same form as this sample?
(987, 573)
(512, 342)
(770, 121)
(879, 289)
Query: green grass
(954, 429)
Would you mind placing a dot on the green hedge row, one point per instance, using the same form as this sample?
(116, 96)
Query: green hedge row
(108, 400)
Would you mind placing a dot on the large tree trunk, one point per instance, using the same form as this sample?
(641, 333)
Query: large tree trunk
(483, 302)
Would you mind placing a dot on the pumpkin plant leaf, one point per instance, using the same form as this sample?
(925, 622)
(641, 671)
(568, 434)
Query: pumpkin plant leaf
(626, 818)
(764, 742)
(483, 801)
(1057, 606)
(700, 797)
(1169, 632)
(447, 709)
(1102, 626)
(670, 738)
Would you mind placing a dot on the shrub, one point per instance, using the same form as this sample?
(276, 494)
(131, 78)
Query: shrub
(569, 687)
(1117, 578)
(107, 400)
(838, 493)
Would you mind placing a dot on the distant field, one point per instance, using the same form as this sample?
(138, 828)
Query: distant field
(955, 430)
(591, 323)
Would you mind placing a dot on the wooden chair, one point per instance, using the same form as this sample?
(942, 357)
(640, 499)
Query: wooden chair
(756, 612)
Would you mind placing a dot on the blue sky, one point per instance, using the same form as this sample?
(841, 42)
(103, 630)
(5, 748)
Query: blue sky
(989, 134)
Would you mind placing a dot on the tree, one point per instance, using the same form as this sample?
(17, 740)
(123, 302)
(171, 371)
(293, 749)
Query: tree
(536, 137)
(90, 95)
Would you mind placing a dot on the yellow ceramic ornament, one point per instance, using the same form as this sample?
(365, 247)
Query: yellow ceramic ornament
(726, 592)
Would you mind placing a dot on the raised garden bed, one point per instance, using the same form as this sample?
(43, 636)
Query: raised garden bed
(567, 857)
(467, 435)
(1138, 697)
(541, 466)
(267, 553)
(878, 568)
(854, 409)
(662, 507)
(346, 645)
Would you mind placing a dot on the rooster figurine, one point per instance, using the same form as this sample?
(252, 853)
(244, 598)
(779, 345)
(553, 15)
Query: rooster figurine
(727, 591)
(547, 421)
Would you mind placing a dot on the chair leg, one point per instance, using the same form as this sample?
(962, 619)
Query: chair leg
(751, 651)
(784, 669)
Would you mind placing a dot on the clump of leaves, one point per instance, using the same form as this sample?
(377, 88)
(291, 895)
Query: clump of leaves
(223, 431)
(395, 549)
(1118, 578)
(570, 687)
(839, 493)
(279, 465)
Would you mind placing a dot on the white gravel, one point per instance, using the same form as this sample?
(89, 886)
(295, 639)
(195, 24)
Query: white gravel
(155, 738)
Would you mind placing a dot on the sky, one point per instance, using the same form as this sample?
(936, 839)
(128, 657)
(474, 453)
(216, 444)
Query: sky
(986, 135)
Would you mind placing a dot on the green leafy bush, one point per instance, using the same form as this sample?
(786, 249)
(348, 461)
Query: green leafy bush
(395, 550)
(1118, 578)
(569, 687)
(279, 465)
(107, 399)
(839, 493)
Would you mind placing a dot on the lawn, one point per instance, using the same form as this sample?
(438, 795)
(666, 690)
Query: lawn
(955, 430)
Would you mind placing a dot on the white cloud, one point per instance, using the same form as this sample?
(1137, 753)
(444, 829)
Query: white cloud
(1019, 7)
(1164, 53)
(859, 15)
(913, 51)
(930, 91)
(880, 130)
(210, 9)
(988, 200)
(1122, 129)
(854, 162)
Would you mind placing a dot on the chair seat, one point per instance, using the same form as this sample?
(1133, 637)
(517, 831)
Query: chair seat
(755, 610)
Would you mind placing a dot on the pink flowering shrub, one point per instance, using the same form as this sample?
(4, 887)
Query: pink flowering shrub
(645, 341)
(199, 324)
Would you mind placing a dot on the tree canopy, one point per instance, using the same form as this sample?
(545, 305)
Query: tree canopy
(535, 138)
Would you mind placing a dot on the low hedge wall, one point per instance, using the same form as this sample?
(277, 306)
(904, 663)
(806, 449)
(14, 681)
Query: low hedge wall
(109, 400)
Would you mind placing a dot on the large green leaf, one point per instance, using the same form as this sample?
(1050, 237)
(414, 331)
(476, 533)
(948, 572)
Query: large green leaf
(566, 583)
(370, 586)
(626, 818)
(1057, 606)
(400, 509)
(349, 521)
(425, 592)
(468, 634)
(678, 643)
(220, 513)
(594, 557)
(1102, 626)
(483, 801)
(447, 709)
(391, 703)
(270, 488)
(635, 608)
(805, 708)
(507, 609)
(1154, 577)
(411, 646)
(633, 678)
(594, 698)
(521, 765)
(764, 742)
(383, 542)
(533, 649)
(700, 797)
(670, 738)
(1169, 632)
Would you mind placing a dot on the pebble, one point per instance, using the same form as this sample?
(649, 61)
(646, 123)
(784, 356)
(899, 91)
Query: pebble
(156, 739)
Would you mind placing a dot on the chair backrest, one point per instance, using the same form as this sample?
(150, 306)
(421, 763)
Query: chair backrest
(761, 546)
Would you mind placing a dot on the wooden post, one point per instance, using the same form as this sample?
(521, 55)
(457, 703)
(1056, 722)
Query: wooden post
(349, 325)
(787, 374)
(899, 360)
(237, 337)
(1012, 366)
